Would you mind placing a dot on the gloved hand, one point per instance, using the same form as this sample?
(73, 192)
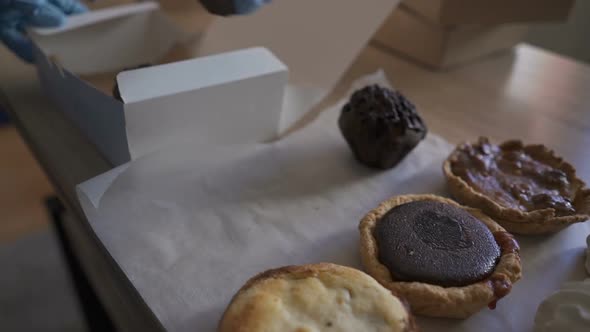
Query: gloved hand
(248, 6)
(16, 15)
(233, 7)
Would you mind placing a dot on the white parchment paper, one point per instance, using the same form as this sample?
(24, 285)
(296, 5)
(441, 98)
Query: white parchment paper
(189, 226)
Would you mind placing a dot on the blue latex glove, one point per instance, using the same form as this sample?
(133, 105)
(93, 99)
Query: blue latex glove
(16, 15)
(248, 6)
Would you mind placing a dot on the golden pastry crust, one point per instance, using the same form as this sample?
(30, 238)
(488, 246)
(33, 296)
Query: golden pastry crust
(432, 300)
(517, 221)
(315, 297)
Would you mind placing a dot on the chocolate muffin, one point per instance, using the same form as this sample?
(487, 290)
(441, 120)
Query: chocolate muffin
(381, 126)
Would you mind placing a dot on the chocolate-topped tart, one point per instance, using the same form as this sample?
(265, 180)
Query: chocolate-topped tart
(525, 188)
(445, 259)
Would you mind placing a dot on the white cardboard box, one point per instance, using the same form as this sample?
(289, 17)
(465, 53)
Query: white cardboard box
(233, 97)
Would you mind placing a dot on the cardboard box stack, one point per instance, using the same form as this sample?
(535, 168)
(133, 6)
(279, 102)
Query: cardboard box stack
(445, 33)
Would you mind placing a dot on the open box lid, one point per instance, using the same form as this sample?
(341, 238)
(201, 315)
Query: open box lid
(110, 39)
(98, 16)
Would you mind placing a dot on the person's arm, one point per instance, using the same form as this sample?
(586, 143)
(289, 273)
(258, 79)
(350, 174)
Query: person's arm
(17, 15)
(233, 7)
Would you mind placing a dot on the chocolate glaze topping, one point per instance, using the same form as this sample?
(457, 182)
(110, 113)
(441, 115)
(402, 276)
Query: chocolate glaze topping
(435, 243)
(514, 178)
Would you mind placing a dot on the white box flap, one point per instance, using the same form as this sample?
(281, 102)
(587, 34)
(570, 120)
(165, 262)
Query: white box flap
(233, 98)
(195, 74)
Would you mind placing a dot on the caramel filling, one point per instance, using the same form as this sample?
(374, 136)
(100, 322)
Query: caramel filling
(500, 283)
(513, 178)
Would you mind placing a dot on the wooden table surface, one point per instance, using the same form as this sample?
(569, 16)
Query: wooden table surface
(528, 94)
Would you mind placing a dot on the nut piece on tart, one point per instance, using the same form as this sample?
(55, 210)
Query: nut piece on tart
(472, 265)
(525, 188)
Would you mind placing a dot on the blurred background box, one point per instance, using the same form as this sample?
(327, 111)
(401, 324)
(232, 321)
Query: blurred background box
(439, 46)
(491, 12)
